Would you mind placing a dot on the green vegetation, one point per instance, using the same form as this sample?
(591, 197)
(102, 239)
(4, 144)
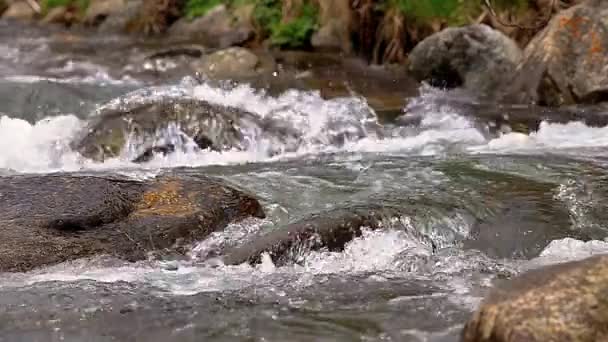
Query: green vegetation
(198, 8)
(46, 5)
(452, 12)
(298, 31)
(294, 33)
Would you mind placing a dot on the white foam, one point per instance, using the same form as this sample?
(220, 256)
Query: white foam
(568, 249)
(373, 251)
(38, 148)
(549, 137)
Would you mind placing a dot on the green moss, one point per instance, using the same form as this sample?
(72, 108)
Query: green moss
(47, 5)
(198, 8)
(453, 12)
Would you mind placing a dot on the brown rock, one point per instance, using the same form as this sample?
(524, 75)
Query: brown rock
(3, 6)
(20, 10)
(567, 302)
(216, 29)
(57, 15)
(50, 219)
(99, 10)
(566, 62)
(335, 26)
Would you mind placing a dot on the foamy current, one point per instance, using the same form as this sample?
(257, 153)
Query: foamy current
(44, 145)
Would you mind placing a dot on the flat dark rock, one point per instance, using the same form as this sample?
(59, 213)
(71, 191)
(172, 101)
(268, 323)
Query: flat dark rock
(50, 219)
(332, 230)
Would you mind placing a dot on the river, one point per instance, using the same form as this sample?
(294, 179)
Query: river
(480, 207)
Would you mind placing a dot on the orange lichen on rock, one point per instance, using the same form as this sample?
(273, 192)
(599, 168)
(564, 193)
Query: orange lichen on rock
(165, 199)
(573, 24)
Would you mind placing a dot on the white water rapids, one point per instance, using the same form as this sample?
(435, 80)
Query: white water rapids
(43, 147)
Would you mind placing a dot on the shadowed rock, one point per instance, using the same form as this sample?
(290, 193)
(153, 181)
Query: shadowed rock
(50, 219)
(567, 302)
(331, 230)
(475, 57)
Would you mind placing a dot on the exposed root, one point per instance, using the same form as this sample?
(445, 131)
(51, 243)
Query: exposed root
(390, 39)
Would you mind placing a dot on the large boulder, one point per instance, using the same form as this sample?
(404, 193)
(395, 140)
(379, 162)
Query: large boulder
(566, 302)
(566, 62)
(50, 219)
(216, 29)
(475, 57)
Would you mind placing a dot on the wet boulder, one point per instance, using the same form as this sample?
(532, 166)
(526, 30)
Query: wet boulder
(566, 62)
(476, 57)
(330, 230)
(566, 302)
(135, 129)
(50, 219)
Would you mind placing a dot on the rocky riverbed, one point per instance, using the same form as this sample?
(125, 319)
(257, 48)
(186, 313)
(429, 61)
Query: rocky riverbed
(153, 189)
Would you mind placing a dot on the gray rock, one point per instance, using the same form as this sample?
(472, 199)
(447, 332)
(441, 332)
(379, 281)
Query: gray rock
(45, 220)
(475, 57)
(217, 29)
(567, 62)
(231, 63)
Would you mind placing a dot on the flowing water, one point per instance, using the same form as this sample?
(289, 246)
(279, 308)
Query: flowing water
(478, 208)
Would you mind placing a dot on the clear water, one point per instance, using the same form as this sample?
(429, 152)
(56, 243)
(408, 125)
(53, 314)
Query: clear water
(493, 206)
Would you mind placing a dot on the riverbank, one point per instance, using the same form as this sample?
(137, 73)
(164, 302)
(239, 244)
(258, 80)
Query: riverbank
(379, 31)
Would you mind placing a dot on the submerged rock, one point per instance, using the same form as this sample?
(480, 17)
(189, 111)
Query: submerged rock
(50, 219)
(566, 62)
(331, 230)
(475, 57)
(162, 124)
(566, 302)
